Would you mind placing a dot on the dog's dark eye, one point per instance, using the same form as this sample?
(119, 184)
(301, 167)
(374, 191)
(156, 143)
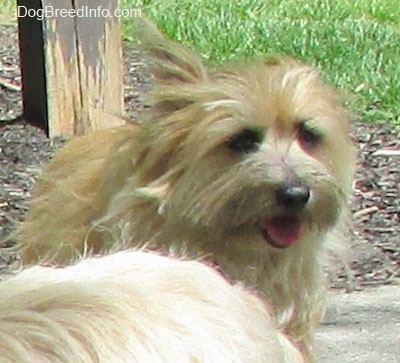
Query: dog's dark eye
(309, 137)
(246, 141)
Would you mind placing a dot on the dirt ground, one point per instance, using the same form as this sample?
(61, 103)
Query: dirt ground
(375, 242)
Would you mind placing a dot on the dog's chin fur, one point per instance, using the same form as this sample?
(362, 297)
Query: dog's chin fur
(180, 178)
(135, 307)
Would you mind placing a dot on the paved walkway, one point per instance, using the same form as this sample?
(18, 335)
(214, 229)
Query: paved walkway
(361, 327)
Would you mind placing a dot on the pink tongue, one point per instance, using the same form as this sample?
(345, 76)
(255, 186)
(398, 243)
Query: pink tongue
(282, 231)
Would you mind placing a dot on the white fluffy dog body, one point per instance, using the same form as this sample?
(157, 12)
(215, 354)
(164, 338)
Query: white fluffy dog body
(135, 307)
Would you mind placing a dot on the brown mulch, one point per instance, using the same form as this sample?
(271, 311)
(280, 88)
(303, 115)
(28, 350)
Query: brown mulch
(375, 243)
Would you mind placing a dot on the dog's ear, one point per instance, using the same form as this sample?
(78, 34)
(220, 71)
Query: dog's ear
(170, 62)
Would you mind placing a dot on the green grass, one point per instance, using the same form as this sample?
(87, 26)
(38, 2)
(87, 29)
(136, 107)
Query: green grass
(8, 11)
(355, 42)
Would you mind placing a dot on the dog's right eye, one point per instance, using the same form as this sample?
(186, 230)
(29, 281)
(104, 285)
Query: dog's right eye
(309, 137)
(246, 141)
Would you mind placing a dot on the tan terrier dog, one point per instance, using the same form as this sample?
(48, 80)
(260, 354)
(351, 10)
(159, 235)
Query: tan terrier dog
(248, 165)
(135, 307)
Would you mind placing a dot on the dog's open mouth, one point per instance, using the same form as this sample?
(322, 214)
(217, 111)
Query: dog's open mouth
(281, 231)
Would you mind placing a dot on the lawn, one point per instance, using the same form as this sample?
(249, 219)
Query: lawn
(355, 43)
(7, 12)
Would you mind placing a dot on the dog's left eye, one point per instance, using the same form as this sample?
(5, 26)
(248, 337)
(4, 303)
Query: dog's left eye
(308, 137)
(246, 141)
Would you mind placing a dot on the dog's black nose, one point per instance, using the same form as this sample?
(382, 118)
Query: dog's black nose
(293, 196)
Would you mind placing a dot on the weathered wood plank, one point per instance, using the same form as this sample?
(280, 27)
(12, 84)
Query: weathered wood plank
(83, 62)
(100, 65)
(62, 72)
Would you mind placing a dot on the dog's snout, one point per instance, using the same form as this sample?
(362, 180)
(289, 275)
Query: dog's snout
(293, 196)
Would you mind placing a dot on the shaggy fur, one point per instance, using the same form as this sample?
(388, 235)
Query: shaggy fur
(204, 171)
(135, 307)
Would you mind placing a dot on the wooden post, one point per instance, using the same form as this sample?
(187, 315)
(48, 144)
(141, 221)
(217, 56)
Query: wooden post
(31, 50)
(76, 49)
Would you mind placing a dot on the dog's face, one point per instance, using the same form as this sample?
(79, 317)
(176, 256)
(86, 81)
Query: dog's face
(260, 148)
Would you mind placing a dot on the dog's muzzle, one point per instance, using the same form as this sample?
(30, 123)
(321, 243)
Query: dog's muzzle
(285, 229)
